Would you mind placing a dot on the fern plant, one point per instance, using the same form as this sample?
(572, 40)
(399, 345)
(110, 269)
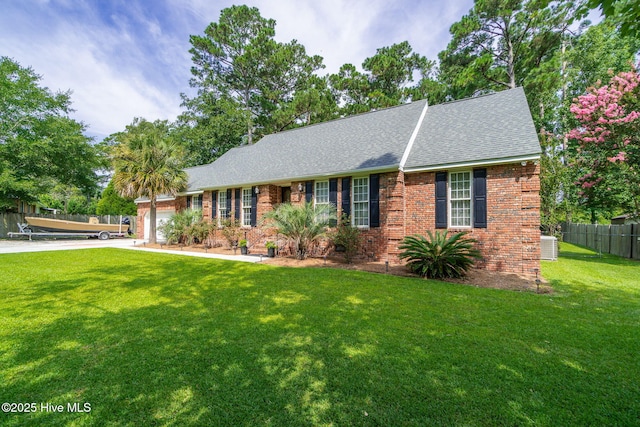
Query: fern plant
(439, 256)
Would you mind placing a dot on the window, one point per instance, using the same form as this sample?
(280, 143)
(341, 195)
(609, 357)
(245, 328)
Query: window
(196, 203)
(246, 207)
(361, 202)
(322, 195)
(322, 192)
(223, 212)
(460, 199)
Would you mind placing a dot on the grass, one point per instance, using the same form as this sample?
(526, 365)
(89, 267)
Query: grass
(156, 339)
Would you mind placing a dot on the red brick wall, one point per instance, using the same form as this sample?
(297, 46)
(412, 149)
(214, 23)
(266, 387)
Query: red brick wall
(143, 208)
(511, 241)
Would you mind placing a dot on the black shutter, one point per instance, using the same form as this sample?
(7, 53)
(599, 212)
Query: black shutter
(480, 198)
(441, 200)
(308, 191)
(254, 207)
(188, 202)
(229, 201)
(374, 200)
(346, 196)
(214, 204)
(333, 198)
(237, 203)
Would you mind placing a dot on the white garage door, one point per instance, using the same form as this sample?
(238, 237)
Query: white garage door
(161, 217)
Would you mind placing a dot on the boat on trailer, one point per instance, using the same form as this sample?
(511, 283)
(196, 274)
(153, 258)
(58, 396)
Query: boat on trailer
(37, 226)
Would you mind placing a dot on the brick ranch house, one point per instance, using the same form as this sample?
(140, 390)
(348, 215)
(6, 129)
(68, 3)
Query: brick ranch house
(464, 165)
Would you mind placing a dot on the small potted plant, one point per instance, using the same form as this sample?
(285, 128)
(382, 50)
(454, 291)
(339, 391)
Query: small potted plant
(271, 249)
(243, 247)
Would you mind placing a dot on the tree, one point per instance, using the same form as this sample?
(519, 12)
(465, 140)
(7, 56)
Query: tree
(40, 145)
(148, 163)
(608, 138)
(584, 59)
(237, 62)
(500, 43)
(626, 13)
(111, 203)
(387, 80)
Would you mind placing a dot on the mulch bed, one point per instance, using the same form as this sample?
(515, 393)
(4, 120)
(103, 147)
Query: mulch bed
(475, 277)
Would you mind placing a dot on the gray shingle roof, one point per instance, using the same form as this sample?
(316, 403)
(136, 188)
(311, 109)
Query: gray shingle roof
(487, 128)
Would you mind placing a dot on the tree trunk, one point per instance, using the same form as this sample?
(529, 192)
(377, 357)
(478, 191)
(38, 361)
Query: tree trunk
(152, 220)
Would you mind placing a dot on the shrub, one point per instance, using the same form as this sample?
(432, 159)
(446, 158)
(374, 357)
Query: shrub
(302, 225)
(198, 232)
(231, 231)
(439, 256)
(176, 229)
(348, 237)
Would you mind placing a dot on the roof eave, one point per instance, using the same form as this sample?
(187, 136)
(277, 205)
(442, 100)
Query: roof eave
(475, 163)
(317, 177)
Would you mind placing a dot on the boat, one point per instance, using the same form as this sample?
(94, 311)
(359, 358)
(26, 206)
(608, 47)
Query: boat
(66, 226)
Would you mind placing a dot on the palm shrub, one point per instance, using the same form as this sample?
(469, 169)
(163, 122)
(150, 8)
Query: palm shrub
(302, 225)
(439, 256)
(178, 226)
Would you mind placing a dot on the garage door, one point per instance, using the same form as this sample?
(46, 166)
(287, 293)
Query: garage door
(161, 217)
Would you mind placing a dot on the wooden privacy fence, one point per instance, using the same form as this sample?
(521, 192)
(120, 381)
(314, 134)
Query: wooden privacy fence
(621, 240)
(9, 221)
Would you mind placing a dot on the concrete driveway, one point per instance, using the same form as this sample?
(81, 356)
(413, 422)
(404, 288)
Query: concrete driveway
(18, 245)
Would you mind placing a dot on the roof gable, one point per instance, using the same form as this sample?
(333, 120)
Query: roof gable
(483, 129)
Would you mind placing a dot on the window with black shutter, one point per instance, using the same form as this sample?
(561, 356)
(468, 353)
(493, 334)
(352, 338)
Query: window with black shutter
(238, 204)
(374, 200)
(308, 191)
(346, 196)
(333, 198)
(480, 198)
(441, 200)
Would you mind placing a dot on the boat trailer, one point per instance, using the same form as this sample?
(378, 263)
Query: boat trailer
(26, 231)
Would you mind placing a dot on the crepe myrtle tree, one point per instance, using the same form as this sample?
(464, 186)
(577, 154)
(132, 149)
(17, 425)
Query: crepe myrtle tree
(608, 142)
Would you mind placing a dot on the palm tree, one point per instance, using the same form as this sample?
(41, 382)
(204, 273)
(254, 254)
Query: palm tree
(148, 163)
(301, 224)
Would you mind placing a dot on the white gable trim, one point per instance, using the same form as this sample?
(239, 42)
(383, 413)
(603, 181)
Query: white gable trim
(414, 135)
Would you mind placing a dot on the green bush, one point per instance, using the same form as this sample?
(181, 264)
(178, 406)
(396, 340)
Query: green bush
(179, 228)
(302, 225)
(231, 231)
(439, 256)
(347, 236)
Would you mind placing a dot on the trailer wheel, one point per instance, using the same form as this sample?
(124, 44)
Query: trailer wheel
(104, 235)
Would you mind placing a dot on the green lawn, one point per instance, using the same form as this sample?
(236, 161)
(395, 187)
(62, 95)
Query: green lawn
(155, 339)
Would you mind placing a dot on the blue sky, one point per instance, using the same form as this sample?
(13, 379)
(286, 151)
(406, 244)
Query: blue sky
(130, 58)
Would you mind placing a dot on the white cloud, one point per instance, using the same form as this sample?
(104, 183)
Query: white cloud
(126, 60)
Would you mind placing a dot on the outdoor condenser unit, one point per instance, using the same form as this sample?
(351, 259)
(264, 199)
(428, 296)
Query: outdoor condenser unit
(548, 248)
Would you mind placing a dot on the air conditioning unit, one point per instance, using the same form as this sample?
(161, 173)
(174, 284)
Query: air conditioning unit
(548, 248)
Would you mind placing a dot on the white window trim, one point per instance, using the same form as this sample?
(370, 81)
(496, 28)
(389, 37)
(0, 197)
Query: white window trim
(315, 193)
(195, 197)
(222, 214)
(450, 200)
(353, 202)
(243, 207)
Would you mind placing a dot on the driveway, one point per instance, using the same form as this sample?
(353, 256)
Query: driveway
(39, 245)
